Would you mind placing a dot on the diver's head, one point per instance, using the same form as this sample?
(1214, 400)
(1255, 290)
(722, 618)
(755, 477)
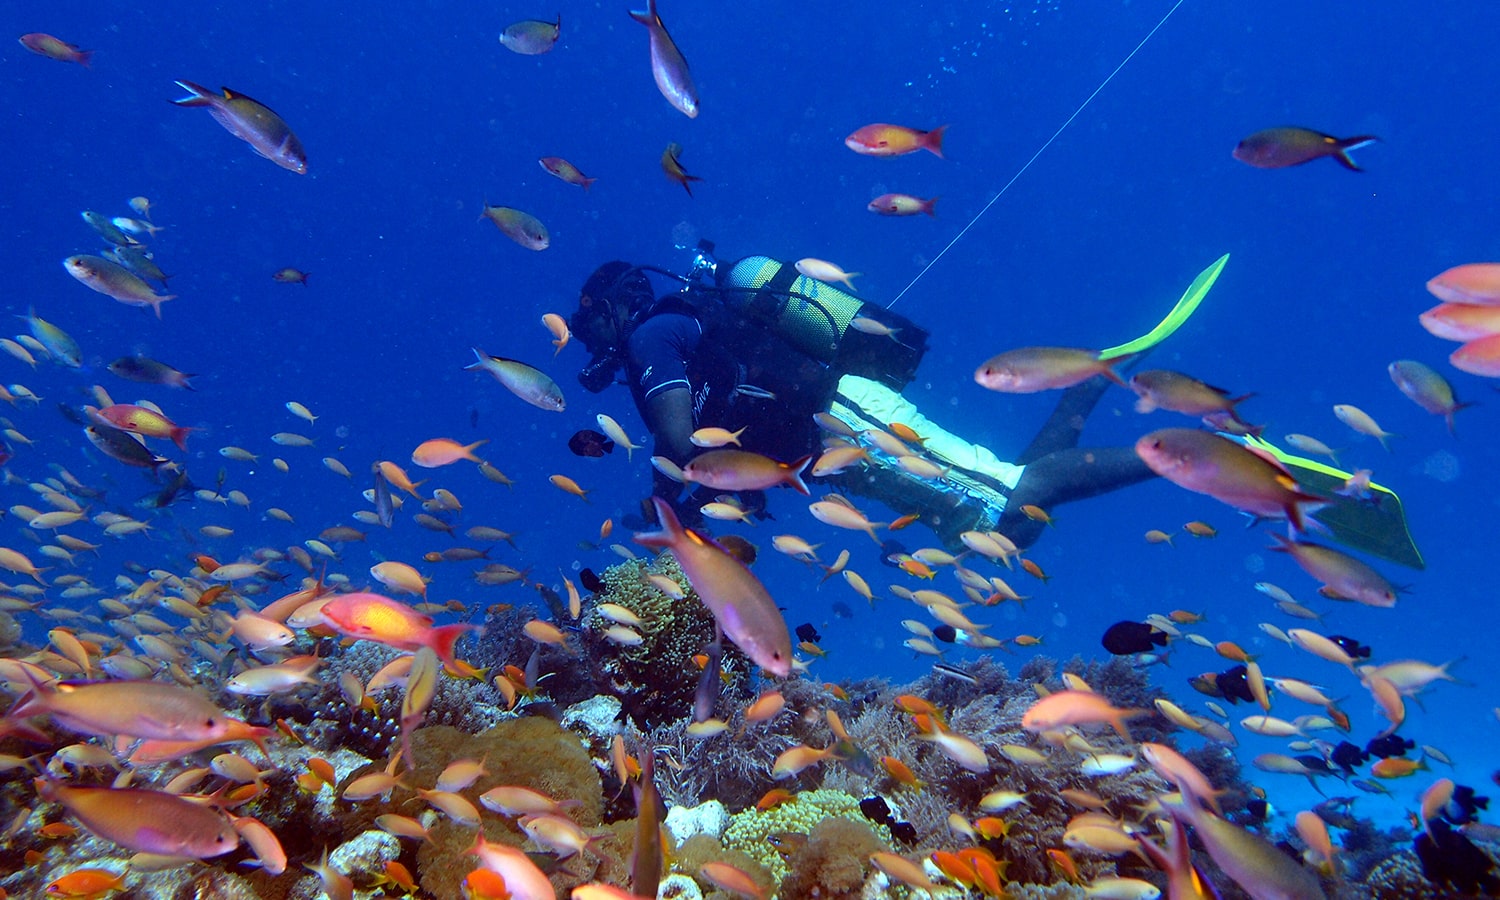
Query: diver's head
(609, 305)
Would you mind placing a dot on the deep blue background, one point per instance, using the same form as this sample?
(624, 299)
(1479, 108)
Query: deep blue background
(412, 119)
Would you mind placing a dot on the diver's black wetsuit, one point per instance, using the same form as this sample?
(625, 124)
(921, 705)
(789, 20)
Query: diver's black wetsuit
(759, 384)
(670, 351)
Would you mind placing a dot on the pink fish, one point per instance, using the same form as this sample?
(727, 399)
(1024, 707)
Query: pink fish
(145, 821)
(373, 617)
(903, 205)
(1478, 357)
(1474, 283)
(1032, 369)
(1461, 321)
(736, 597)
(1343, 576)
(55, 48)
(1207, 463)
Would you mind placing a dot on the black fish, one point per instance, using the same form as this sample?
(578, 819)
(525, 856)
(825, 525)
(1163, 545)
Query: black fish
(889, 549)
(1347, 756)
(876, 810)
(1388, 746)
(1349, 645)
(179, 486)
(591, 582)
(905, 832)
(590, 443)
(553, 600)
(1125, 638)
(1464, 807)
(841, 610)
(1448, 857)
(806, 632)
(1234, 684)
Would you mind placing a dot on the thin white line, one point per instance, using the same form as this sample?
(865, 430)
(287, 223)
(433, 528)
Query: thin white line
(1043, 149)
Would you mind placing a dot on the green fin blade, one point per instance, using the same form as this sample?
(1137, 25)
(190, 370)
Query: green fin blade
(1180, 313)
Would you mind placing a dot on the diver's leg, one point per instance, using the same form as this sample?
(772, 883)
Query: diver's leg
(969, 498)
(1064, 426)
(1063, 476)
(948, 509)
(863, 403)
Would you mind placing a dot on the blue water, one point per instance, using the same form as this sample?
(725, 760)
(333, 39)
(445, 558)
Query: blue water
(413, 116)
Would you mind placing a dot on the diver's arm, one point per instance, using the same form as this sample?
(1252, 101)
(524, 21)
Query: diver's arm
(669, 415)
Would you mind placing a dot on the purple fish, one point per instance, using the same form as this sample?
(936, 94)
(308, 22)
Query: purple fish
(590, 443)
(667, 65)
(252, 122)
(1277, 148)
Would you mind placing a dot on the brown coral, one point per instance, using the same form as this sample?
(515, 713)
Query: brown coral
(530, 752)
(833, 863)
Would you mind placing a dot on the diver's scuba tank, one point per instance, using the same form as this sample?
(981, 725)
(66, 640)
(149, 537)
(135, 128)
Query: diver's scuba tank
(814, 317)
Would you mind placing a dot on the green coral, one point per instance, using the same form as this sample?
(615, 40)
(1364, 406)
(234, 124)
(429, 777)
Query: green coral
(748, 830)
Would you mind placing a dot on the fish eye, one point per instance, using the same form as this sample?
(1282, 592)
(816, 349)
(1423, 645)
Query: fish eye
(210, 723)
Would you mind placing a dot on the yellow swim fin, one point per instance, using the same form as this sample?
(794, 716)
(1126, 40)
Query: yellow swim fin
(1180, 313)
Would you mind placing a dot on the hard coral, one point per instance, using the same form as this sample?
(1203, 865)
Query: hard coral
(748, 830)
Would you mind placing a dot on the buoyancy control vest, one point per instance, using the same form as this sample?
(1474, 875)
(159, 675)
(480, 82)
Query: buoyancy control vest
(759, 293)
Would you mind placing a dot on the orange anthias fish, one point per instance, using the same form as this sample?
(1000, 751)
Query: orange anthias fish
(1277, 148)
(445, 451)
(1032, 369)
(55, 48)
(895, 140)
(741, 470)
(145, 422)
(86, 883)
(252, 122)
(373, 617)
(672, 165)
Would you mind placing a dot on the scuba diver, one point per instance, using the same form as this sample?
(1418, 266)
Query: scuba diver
(755, 345)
